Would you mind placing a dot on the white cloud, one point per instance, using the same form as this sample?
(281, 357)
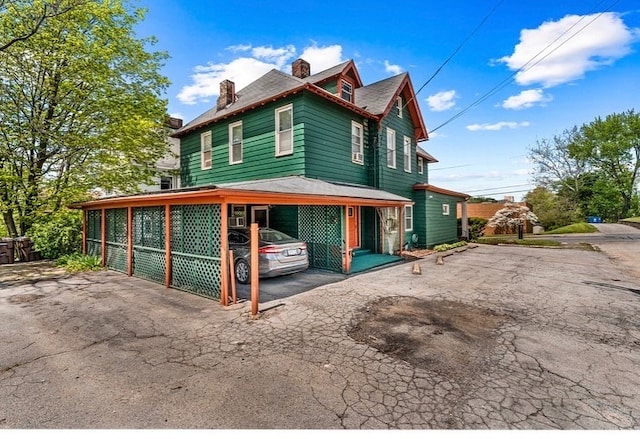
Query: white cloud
(577, 44)
(205, 82)
(206, 79)
(442, 100)
(526, 99)
(497, 126)
(394, 69)
(321, 58)
(278, 56)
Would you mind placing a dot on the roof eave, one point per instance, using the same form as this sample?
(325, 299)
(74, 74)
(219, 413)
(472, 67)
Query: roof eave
(439, 190)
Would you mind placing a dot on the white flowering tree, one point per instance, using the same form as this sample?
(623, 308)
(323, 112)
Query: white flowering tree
(511, 218)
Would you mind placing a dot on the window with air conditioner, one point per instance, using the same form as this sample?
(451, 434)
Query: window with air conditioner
(357, 155)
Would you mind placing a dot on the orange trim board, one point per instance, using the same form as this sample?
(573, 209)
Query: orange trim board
(217, 196)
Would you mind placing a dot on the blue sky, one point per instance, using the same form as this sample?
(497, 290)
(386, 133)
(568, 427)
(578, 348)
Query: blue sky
(532, 68)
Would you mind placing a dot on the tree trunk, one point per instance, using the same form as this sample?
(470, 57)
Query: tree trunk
(10, 223)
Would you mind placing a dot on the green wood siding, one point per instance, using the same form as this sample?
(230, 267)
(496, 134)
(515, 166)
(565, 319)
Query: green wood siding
(258, 156)
(285, 219)
(397, 180)
(420, 218)
(440, 228)
(327, 137)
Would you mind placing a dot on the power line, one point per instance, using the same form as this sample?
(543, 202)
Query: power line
(502, 84)
(501, 187)
(455, 52)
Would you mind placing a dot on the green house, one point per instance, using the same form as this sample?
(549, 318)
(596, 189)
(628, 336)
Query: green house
(315, 136)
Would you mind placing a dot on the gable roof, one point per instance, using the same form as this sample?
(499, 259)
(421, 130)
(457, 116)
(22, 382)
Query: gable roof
(373, 101)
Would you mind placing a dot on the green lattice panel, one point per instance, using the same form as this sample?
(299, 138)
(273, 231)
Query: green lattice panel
(93, 224)
(148, 227)
(149, 264)
(94, 248)
(117, 257)
(321, 228)
(116, 226)
(196, 275)
(195, 229)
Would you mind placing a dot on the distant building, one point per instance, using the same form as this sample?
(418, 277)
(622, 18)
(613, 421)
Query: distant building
(169, 165)
(487, 209)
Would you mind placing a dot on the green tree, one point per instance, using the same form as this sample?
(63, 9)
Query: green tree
(21, 19)
(611, 146)
(80, 108)
(553, 210)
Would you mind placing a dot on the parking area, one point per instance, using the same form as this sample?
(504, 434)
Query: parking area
(103, 350)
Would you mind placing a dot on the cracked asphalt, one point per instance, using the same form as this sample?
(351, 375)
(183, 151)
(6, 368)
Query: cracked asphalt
(102, 350)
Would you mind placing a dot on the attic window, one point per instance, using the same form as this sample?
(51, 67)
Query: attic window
(399, 106)
(347, 91)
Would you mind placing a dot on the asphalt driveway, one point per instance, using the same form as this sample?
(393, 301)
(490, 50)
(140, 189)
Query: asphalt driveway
(102, 350)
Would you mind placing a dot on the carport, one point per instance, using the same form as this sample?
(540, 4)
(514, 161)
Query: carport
(179, 238)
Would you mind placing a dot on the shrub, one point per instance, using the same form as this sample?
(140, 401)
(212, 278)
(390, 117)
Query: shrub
(445, 247)
(76, 262)
(57, 234)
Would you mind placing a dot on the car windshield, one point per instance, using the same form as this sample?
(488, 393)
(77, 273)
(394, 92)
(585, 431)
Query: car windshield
(270, 235)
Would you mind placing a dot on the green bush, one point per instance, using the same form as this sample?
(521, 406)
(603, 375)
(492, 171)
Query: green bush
(76, 262)
(445, 247)
(57, 234)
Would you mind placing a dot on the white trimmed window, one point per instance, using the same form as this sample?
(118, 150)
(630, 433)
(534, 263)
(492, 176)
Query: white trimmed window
(420, 165)
(235, 143)
(284, 130)
(391, 148)
(407, 153)
(346, 91)
(408, 218)
(399, 106)
(445, 209)
(206, 159)
(356, 143)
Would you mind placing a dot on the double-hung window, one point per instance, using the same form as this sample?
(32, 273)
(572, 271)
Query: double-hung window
(407, 154)
(284, 130)
(235, 143)
(391, 148)
(356, 143)
(206, 159)
(347, 91)
(408, 218)
(420, 165)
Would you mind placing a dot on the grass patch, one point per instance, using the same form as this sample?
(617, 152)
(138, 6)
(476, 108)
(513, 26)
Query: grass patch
(495, 240)
(75, 263)
(573, 228)
(633, 220)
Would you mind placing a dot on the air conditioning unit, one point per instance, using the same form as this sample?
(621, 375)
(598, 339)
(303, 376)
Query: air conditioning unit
(356, 157)
(237, 221)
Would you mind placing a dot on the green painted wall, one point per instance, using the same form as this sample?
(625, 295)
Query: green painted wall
(285, 219)
(420, 218)
(327, 137)
(397, 180)
(259, 160)
(440, 228)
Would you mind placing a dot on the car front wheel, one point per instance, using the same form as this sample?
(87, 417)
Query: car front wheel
(243, 272)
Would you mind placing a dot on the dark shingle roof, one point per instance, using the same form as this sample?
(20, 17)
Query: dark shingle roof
(376, 97)
(270, 84)
(332, 71)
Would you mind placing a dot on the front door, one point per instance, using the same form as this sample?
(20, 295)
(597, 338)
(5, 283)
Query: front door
(354, 226)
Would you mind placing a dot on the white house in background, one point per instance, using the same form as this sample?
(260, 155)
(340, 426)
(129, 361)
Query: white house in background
(169, 165)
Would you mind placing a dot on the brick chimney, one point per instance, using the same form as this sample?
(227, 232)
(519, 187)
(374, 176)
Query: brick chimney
(300, 68)
(227, 94)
